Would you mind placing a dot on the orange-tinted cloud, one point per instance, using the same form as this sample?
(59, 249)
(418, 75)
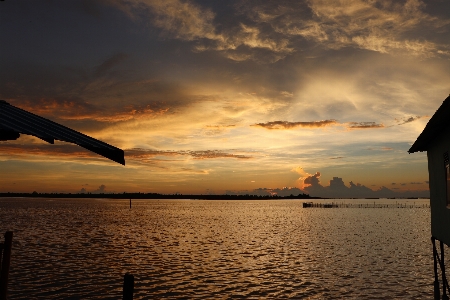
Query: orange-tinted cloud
(408, 120)
(70, 152)
(318, 124)
(364, 125)
(35, 150)
(216, 129)
(139, 154)
(81, 110)
(290, 125)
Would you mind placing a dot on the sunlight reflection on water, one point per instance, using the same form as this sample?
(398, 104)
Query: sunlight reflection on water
(79, 248)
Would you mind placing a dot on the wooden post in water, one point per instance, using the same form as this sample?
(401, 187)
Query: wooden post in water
(5, 261)
(128, 286)
(444, 279)
(130, 203)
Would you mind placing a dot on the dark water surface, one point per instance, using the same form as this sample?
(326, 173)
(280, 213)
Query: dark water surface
(182, 249)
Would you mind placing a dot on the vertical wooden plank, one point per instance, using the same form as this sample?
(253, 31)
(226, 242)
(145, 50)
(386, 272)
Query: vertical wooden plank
(444, 278)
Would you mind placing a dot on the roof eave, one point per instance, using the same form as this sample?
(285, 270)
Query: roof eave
(435, 126)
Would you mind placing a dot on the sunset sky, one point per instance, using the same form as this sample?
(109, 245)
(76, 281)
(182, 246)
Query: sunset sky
(224, 96)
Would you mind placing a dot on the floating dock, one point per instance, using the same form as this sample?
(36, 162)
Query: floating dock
(363, 205)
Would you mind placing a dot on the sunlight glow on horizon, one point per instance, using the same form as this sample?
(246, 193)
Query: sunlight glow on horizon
(225, 97)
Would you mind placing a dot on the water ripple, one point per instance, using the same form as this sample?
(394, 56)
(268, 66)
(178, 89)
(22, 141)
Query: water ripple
(80, 249)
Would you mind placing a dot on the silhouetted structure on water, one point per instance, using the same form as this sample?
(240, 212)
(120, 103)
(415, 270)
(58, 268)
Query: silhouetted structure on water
(435, 139)
(15, 121)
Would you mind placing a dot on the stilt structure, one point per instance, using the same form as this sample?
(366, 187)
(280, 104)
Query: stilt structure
(439, 260)
(435, 140)
(5, 258)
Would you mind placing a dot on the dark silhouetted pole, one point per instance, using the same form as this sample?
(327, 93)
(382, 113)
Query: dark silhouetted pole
(437, 293)
(128, 286)
(444, 279)
(130, 203)
(5, 265)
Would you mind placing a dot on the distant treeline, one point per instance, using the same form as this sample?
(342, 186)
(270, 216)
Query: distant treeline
(154, 196)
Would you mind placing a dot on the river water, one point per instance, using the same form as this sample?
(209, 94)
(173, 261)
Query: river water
(194, 249)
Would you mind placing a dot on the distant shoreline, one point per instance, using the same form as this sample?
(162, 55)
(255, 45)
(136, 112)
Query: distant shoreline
(170, 196)
(153, 196)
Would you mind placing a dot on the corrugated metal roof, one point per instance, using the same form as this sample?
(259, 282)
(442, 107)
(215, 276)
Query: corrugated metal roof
(437, 124)
(14, 120)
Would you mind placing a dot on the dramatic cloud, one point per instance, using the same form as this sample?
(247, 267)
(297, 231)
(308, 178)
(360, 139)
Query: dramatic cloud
(338, 189)
(372, 26)
(225, 95)
(191, 22)
(312, 181)
(335, 189)
(380, 27)
(81, 110)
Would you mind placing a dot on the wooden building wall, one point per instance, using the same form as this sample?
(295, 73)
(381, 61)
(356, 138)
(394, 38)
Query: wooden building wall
(440, 209)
